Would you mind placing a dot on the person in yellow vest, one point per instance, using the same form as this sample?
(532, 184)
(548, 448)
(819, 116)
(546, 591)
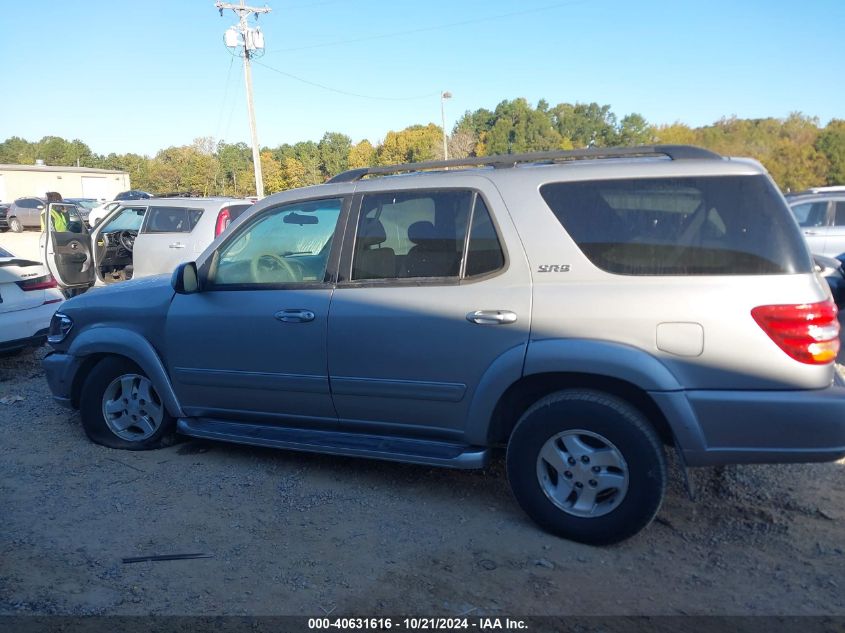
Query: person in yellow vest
(59, 215)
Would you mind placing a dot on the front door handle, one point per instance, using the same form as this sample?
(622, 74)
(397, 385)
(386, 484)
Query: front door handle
(492, 317)
(177, 245)
(294, 316)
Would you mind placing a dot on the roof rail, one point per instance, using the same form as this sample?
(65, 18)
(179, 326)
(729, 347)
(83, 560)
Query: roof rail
(500, 161)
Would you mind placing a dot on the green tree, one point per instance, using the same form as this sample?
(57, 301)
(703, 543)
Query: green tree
(17, 151)
(520, 128)
(634, 130)
(585, 124)
(362, 155)
(831, 144)
(271, 171)
(413, 144)
(675, 134)
(334, 153)
(293, 173)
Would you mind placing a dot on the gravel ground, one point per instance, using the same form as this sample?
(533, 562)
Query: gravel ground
(302, 534)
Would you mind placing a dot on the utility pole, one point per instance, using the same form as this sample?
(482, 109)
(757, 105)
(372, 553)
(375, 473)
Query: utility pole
(252, 42)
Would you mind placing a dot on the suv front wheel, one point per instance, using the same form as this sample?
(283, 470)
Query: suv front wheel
(587, 466)
(120, 408)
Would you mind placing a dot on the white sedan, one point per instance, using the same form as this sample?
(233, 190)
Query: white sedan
(98, 213)
(28, 299)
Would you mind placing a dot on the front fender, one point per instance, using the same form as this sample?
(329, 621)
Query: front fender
(122, 342)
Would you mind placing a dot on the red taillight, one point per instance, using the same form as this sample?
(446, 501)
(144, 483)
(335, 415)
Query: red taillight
(38, 283)
(807, 332)
(223, 219)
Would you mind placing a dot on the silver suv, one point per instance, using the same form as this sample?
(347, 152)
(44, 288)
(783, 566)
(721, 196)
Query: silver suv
(585, 310)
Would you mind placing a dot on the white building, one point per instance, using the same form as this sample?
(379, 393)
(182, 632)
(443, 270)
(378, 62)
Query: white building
(17, 181)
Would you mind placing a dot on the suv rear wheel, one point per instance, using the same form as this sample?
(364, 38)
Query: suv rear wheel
(587, 466)
(120, 408)
(15, 225)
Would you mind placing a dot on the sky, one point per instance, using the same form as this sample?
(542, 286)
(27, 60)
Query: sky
(140, 76)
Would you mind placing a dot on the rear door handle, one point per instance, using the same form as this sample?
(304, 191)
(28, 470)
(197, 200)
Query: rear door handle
(294, 316)
(492, 317)
(177, 245)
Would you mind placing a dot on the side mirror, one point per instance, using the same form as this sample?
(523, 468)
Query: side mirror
(185, 280)
(40, 207)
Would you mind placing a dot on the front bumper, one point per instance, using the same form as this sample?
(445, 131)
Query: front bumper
(745, 427)
(60, 370)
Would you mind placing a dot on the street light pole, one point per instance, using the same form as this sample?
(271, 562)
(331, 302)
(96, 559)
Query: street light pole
(443, 96)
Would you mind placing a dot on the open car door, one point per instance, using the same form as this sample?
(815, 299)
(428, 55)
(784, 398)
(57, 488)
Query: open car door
(66, 247)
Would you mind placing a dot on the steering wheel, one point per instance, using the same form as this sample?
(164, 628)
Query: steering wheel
(127, 239)
(270, 268)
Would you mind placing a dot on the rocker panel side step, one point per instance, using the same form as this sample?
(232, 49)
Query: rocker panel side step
(412, 451)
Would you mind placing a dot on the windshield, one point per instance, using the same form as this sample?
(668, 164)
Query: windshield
(127, 219)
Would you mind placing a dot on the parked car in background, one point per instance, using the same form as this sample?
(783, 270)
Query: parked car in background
(134, 194)
(101, 211)
(833, 272)
(4, 209)
(588, 310)
(85, 206)
(138, 239)
(25, 213)
(28, 299)
(821, 214)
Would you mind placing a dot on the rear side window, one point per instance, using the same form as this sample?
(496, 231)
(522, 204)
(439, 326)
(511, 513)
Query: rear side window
(171, 219)
(717, 225)
(810, 214)
(484, 254)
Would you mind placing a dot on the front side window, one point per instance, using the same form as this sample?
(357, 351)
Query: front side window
(65, 218)
(171, 219)
(289, 245)
(716, 225)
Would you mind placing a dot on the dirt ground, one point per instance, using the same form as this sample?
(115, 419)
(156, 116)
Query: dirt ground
(291, 533)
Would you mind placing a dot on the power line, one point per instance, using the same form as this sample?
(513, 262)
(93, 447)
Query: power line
(225, 97)
(345, 92)
(437, 27)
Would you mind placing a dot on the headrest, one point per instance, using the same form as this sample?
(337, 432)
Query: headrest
(371, 232)
(420, 232)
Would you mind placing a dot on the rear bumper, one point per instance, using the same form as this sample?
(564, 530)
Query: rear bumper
(743, 427)
(38, 339)
(27, 327)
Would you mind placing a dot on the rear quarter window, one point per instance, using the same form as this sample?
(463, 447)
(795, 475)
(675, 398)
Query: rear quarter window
(171, 219)
(719, 225)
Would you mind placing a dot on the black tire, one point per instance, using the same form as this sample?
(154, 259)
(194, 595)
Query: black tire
(93, 416)
(615, 421)
(15, 225)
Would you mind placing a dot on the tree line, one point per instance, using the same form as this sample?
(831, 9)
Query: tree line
(797, 150)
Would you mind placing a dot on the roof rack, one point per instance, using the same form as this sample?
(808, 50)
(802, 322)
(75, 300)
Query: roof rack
(501, 161)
